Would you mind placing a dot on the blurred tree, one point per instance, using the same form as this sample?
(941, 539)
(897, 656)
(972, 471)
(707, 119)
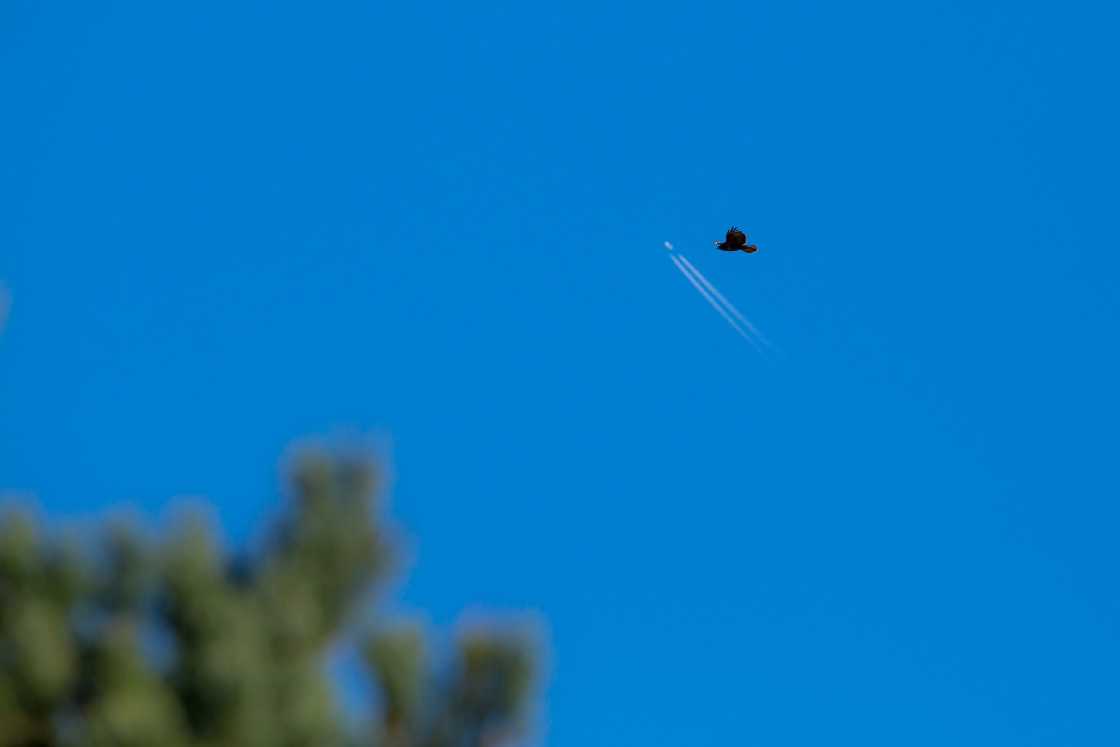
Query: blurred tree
(140, 642)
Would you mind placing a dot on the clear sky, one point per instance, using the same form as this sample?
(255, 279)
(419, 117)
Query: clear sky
(225, 228)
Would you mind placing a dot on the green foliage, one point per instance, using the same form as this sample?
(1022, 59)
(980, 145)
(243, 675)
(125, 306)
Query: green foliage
(140, 641)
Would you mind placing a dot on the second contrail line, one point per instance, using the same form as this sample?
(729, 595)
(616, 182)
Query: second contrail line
(712, 301)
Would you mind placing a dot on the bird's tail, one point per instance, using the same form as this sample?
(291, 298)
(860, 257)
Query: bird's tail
(750, 248)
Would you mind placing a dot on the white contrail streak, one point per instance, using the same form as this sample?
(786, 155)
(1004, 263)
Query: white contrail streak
(5, 304)
(723, 300)
(712, 301)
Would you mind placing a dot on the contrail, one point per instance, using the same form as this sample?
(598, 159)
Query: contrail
(723, 300)
(712, 301)
(5, 304)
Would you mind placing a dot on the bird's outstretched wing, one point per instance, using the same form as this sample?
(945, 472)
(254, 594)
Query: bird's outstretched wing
(736, 238)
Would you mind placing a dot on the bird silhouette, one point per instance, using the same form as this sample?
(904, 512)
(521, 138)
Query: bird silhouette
(736, 241)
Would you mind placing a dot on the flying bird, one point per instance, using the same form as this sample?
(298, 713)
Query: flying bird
(736, 241)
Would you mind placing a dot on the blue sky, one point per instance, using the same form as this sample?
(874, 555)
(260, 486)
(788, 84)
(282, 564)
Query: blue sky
(227, 228)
